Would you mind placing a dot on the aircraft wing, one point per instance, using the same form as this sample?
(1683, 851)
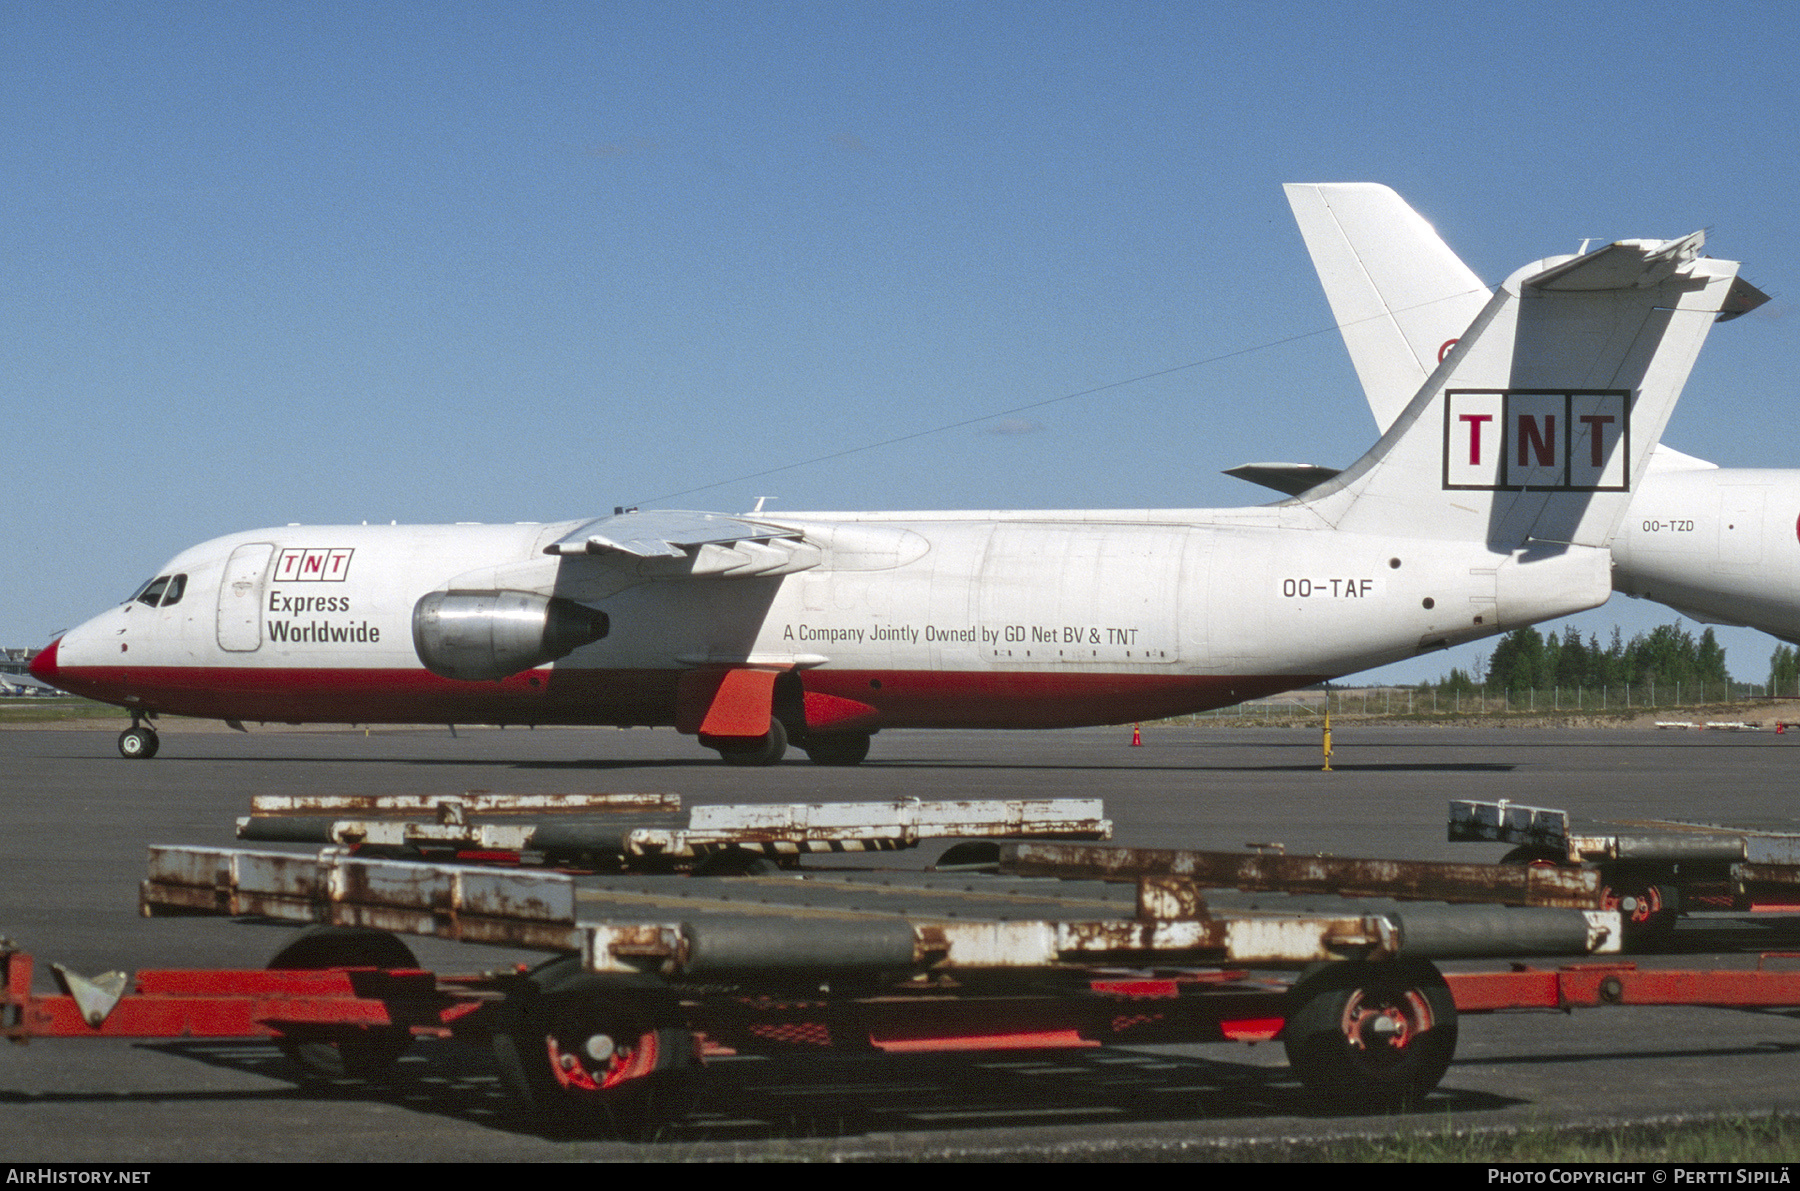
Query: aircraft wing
(662, 533)
(716, 544)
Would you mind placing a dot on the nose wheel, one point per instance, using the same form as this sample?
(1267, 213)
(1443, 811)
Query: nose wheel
(138, 742)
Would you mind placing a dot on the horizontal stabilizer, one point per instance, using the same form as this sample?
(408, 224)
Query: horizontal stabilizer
(1624, 264)
(1742, 299)
(1290, 479)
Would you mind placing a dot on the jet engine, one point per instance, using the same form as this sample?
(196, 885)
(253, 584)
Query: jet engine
(480, 635)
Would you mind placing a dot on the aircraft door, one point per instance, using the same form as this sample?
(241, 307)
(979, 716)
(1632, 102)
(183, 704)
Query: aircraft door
(1739, 545)
(240, 597)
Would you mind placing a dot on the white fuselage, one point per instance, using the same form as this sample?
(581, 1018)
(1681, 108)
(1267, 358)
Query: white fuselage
(1720, 544)
(928, 619)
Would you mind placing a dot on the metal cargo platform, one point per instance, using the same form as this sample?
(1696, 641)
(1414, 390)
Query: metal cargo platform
(672, 934)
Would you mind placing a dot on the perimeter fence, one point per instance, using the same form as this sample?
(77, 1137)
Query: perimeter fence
(1626, 699)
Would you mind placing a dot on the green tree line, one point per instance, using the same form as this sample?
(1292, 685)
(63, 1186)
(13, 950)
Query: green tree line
(1784, 671)
(1525, 660)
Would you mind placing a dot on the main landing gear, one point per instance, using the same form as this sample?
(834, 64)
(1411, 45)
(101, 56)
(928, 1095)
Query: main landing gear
(751, 750)
(826, 748)
(840, 748)
(138, 742)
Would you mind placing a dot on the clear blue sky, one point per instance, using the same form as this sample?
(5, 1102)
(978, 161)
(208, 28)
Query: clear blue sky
(318, 262)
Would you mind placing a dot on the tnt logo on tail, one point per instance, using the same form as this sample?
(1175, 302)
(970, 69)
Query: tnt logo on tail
(1512, 440)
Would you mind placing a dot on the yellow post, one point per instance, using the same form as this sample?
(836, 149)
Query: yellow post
(1327, 768)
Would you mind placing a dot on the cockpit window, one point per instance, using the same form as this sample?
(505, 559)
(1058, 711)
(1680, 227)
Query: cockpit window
(153, 590)
(172, 594)
(141, 589)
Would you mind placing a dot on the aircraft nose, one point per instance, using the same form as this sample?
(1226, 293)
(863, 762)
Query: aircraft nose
(43, 667)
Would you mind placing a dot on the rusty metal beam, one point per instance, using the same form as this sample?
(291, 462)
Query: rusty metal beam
(1519, 885)
(474, 802)
(783, 829)
(521, 908)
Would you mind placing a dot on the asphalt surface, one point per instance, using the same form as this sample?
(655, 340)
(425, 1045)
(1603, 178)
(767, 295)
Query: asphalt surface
(77, 820)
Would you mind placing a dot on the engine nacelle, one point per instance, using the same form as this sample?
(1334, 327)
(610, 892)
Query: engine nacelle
(481, 635)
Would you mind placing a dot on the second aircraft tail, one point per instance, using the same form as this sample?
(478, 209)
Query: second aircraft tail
(1400, 297)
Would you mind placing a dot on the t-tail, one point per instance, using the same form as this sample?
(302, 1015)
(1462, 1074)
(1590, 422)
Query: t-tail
(1402, 298)
(1534, 429)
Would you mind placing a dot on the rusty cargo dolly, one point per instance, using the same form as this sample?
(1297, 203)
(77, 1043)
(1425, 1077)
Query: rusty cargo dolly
(672, 937)
(1652, 870)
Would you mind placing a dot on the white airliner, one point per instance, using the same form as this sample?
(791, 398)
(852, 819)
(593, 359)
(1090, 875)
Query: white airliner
(1489, 503)
(1717, 544)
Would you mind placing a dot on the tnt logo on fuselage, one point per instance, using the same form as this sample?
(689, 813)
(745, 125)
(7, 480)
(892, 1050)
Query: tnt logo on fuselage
(1576, 440)
(328, 565)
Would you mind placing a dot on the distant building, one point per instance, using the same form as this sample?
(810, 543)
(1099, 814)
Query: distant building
(14, 678)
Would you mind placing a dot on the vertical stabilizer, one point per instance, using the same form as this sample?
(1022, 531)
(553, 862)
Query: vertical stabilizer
(1536, 426)
(1400, 297)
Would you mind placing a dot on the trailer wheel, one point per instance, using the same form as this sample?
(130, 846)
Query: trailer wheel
(585, 1056)
(1532, 854)
(736, 862)
(1652, 909)
(359, 1052)
(1375, 1035)
(1646, 911)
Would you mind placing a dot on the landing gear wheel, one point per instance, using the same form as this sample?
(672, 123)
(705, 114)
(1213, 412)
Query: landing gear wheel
(1373, 1035)
(587, 1057)
(138, 743)
(766, 750)
(359, 1052)
(843, 748)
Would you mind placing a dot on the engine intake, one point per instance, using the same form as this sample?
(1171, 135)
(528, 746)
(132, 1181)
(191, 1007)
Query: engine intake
(481, 635)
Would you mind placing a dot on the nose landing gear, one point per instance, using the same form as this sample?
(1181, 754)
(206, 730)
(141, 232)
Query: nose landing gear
(138, 742)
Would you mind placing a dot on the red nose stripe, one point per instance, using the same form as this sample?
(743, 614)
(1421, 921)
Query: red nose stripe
(43, 666)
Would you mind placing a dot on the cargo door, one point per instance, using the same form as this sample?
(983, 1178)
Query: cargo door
(241, 597)
(1739, 546)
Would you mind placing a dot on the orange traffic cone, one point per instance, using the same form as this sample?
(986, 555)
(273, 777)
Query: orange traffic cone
(1137, 737)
